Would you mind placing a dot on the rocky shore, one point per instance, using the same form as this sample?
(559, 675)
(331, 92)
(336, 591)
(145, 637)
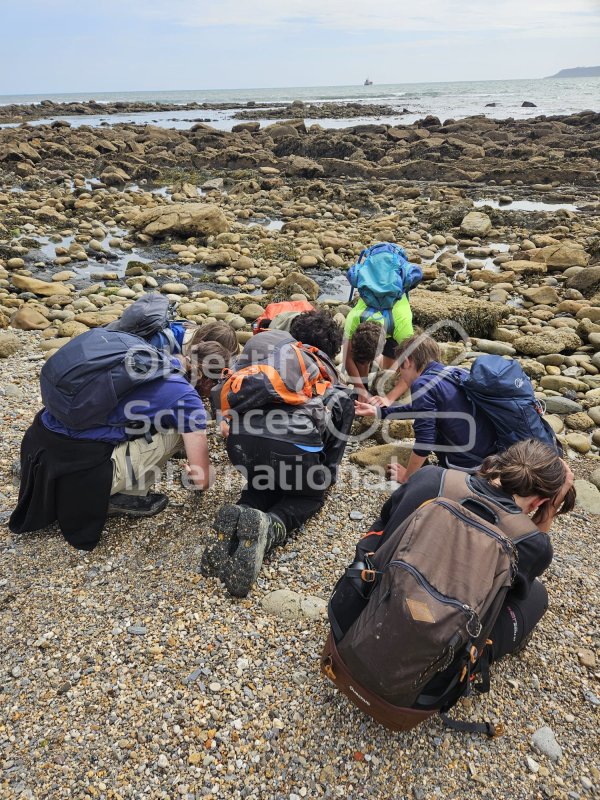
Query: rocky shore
(125, 674)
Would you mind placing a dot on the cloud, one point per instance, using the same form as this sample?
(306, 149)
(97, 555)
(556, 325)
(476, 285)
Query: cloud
(535, 16)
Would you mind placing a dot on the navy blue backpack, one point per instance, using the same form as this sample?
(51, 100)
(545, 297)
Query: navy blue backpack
(383, 275)
(499, 387)
(83, 382)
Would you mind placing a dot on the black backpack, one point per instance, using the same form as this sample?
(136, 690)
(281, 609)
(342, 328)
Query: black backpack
(150, 314)
(83, 382)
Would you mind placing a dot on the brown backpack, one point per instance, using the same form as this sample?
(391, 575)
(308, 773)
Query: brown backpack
(430, 597)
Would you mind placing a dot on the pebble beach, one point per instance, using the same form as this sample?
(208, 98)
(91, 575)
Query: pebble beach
(124, 672)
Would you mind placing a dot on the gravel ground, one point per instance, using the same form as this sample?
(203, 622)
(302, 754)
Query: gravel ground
(126, 674)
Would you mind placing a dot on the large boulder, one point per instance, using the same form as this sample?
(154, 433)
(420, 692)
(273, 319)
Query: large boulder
(184, 219)
(29, 319)
(476, 223)
(42, 288)
(298, 282)
(377, 458)
(542, 295)
(586, 281)
(477, 317)
(552, 340)
(561, 256)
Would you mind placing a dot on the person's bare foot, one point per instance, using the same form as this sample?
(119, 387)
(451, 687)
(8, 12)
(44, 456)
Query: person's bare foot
(396, 472)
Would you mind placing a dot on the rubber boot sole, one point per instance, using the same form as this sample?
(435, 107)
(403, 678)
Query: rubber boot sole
(215, 558)
(245, 562)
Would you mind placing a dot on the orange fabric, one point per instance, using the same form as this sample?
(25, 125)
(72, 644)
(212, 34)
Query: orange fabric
(234, 384)
(372, 533)
(273, 309)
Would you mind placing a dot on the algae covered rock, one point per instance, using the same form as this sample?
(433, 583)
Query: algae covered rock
(476, 317)
(553, 340)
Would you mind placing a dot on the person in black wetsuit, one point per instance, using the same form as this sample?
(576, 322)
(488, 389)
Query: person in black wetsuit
(528, 477)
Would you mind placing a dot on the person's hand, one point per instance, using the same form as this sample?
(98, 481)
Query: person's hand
(558, 499)
(379, 402)
(396, 472)
(363, 409)
(224, 427)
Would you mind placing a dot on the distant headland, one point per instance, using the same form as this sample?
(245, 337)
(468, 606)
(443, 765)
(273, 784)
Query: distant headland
(578, 72)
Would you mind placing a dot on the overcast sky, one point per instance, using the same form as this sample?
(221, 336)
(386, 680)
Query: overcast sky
(51, 46)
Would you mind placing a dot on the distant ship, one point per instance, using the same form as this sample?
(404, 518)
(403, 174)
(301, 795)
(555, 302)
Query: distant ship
(368, 82)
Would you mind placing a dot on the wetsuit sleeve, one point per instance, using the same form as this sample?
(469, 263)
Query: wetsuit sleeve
(535, 556)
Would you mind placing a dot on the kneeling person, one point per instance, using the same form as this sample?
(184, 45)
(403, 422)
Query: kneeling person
(286, 420)
(106, 431)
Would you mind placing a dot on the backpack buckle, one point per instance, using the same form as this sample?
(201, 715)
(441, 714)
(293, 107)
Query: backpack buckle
(328, 669)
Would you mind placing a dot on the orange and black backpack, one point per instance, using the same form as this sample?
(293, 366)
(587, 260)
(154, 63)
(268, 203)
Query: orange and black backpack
(275, 369)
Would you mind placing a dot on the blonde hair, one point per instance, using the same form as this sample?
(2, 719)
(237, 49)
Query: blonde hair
(419, 347)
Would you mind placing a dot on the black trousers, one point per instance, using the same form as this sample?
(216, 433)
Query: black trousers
(281, 478)
(517, 620)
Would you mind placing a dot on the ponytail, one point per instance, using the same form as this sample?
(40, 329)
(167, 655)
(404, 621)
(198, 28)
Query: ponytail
(529, 468)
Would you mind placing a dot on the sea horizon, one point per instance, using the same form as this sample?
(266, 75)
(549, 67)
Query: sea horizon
(499, 99)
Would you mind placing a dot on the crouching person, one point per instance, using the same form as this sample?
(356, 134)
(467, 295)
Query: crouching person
(116, 409)
(286, 420)
(530, 482)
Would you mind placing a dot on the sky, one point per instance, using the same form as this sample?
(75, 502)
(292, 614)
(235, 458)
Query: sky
(56, 46)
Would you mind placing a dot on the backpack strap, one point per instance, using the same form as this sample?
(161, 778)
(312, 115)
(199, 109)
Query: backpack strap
(386, 313)
(456, 485)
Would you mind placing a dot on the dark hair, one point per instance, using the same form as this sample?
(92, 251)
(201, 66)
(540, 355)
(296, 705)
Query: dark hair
(529, 468)
(218, 331)
(367, 342)
(318, 329)
(208, 360)
(420, 348)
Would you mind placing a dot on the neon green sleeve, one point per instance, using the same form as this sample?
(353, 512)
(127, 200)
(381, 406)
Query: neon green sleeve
(352, 322)
(402, 314)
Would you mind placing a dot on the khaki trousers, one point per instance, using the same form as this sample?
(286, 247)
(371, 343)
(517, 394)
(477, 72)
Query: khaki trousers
(137, 464)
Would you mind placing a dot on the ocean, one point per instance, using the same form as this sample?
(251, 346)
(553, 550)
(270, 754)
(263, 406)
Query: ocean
(444, 100)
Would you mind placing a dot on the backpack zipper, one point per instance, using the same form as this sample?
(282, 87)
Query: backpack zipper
(442, 598)
(506, 544)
